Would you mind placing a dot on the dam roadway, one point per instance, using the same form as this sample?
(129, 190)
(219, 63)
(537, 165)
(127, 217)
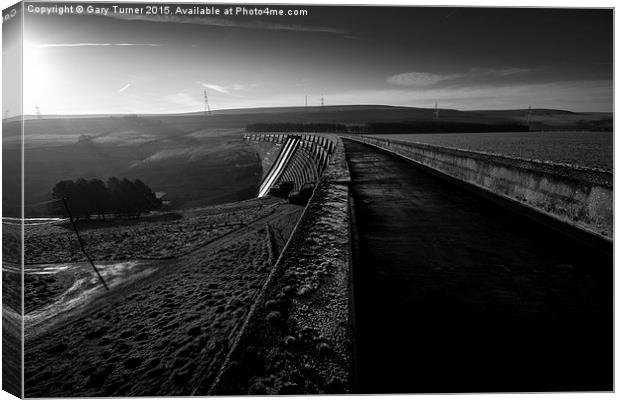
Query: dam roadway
(454, 293)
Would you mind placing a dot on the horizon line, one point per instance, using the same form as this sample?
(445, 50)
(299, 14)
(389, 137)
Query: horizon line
(43, 116)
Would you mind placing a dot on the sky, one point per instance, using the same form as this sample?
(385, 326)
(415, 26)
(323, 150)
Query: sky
(462, 58)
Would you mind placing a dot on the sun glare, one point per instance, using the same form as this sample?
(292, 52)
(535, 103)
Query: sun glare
(38, 81)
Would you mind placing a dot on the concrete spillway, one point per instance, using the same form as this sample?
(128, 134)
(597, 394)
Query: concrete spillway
(455, 294)
(300, 160)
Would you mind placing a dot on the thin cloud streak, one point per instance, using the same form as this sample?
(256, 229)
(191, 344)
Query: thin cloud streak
(497, 72)
(426, 79)
(420, 79)
(223, 22)
(223, 89)
(217, 88)
(96, 45)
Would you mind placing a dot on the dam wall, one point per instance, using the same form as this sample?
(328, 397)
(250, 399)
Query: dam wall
(298, 337)
(580, 197)
(299, 159)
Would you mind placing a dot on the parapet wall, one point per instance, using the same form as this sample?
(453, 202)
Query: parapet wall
(297, 339)
(581, 197)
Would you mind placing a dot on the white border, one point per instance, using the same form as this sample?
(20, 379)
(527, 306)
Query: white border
(450, 3)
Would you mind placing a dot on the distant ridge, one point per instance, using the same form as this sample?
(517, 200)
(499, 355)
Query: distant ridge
(227, 111)
(296, 109)
(239, 118)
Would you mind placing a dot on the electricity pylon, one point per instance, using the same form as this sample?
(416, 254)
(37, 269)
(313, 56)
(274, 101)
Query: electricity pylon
(529, 115)
(207, 107)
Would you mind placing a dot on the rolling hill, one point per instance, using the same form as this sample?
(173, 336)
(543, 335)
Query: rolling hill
(200, 159)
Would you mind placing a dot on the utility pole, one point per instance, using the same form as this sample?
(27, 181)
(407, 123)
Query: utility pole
(529, 115)
(207, 107)
(64, 201)
(436, 113)
(322, 102)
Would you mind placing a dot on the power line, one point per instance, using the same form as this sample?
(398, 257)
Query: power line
(31, 204)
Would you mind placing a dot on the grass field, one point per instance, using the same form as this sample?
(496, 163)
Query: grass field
(586, 149)
(165, 325)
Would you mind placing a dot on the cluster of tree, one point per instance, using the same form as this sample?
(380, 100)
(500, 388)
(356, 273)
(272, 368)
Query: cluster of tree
(442, 127)
(296, 127)
(119, 197)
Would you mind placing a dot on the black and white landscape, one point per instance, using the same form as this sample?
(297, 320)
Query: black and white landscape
(293, 199)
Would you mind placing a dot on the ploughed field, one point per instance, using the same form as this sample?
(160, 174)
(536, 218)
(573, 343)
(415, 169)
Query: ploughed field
(585, 149)
(167, 322)
(161, 235)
